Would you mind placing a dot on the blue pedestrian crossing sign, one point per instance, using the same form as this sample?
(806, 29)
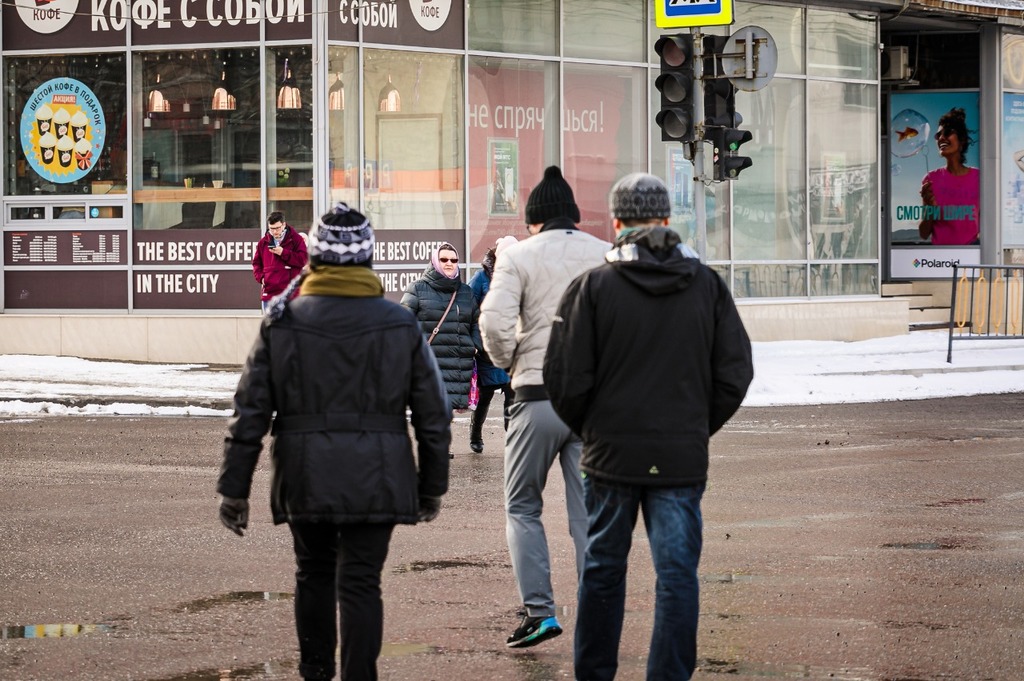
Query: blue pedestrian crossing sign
(687, 13)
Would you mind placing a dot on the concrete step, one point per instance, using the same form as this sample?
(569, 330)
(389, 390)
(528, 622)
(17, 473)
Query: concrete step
(929, 326)
(917, 301)
(929, 315)
(900, 289)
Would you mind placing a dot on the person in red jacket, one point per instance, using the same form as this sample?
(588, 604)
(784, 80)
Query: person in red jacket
(280, 256)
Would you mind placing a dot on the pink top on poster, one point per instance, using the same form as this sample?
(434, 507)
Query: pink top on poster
(956, 205)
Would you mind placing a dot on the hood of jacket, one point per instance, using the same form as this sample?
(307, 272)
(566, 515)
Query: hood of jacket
(653, 259)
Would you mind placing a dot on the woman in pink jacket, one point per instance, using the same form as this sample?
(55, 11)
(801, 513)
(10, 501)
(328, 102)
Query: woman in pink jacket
(280, 256)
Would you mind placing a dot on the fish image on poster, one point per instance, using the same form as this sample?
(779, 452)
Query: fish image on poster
(909, 135)
(62, 130)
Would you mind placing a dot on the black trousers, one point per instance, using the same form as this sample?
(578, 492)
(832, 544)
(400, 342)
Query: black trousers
(339, 565)
(476, 421)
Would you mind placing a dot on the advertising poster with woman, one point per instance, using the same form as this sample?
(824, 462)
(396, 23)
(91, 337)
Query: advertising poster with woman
(935, 183)
(1013, 170)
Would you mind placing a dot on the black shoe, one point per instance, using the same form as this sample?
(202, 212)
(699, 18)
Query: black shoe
(476, 445)
(534, 630)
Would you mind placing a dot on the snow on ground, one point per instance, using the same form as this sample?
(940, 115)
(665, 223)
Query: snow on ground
(907, 367)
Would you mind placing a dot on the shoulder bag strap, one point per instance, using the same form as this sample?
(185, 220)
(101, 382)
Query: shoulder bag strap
(441, 321)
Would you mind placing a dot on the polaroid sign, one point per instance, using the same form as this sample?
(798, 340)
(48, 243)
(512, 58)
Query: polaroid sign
(931, 262)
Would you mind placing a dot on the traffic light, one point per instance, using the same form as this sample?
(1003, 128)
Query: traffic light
(727, 142)
(676, 83)
(721, 120)
(719, 92)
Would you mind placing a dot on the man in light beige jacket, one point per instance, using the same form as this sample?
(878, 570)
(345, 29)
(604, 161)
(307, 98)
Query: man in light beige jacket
(515, 322)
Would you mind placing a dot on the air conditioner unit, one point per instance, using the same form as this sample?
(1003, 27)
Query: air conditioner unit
(895, 63)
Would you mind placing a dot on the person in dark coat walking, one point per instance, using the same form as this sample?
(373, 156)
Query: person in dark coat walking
(333, 372)
(647, 359)
(456, 340)
(280, 256)
(490, 379)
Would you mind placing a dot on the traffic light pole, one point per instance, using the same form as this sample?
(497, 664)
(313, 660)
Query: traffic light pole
(699, 201)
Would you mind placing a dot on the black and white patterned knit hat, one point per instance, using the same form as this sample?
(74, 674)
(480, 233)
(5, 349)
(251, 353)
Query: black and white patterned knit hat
(639, 196)
(342, 237)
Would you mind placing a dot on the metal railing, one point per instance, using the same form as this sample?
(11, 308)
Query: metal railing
(986, 302)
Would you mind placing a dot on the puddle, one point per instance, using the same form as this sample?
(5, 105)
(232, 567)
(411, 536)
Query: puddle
(285, 670)
(891, 624)
(424, 565)
(201, 604)
(267, 670)
(404, 649)
(52, 630)
(955, 502)
(939, 545)
(727, 578)
(784, 671)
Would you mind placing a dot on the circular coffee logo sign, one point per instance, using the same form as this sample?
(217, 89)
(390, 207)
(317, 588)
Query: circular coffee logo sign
(46, 16)
(430, 14)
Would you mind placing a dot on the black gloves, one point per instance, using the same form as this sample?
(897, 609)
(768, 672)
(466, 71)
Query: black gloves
(234, 514)
(429, 508)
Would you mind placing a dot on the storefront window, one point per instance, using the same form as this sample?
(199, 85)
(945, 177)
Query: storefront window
(785, 25)
(513, 136)
(604, 124)
(413, 150)
(515, 26)
(842, 183)
(197, 151)
(343, 124)
(776, 280)
(66, 125)
(842, 279)
(841, 45)
(769, 199)
(1013, 62)
(289, 81)
(609, 30)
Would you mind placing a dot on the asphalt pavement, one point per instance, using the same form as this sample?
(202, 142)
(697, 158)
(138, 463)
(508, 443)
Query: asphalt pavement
(867, 541)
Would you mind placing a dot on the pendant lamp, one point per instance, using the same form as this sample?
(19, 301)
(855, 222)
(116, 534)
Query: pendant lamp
(157, 102)
(390, 99)
(222, 99)
(336, 95)
(288, 97)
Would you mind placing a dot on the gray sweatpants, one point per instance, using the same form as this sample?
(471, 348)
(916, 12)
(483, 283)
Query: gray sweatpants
(536, 436)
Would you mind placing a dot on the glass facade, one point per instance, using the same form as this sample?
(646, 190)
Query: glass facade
(437, 127)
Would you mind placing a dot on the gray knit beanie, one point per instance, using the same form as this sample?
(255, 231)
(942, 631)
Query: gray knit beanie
(639, 196)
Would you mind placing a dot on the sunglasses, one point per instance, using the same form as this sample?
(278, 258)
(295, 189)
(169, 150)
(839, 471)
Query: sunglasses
(944, 133)
(455, 260)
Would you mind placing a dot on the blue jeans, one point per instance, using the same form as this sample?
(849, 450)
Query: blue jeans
(675, 531)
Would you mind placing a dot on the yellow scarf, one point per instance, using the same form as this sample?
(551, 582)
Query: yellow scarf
(348, 282)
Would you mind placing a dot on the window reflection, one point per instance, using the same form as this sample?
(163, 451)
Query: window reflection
(290, 133)
(413, 164)
(604, 138)
(769, 202)
(343, 124)
(513, 136)
(197, 157)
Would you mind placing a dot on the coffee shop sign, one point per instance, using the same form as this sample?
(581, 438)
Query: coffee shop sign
(114, 15)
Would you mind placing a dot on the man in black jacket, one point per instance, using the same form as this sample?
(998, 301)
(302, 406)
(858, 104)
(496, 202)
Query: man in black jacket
(647, 359)
(339, 365)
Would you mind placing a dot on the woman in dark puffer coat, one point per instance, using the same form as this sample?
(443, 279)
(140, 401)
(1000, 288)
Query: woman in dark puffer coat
(458, 338)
